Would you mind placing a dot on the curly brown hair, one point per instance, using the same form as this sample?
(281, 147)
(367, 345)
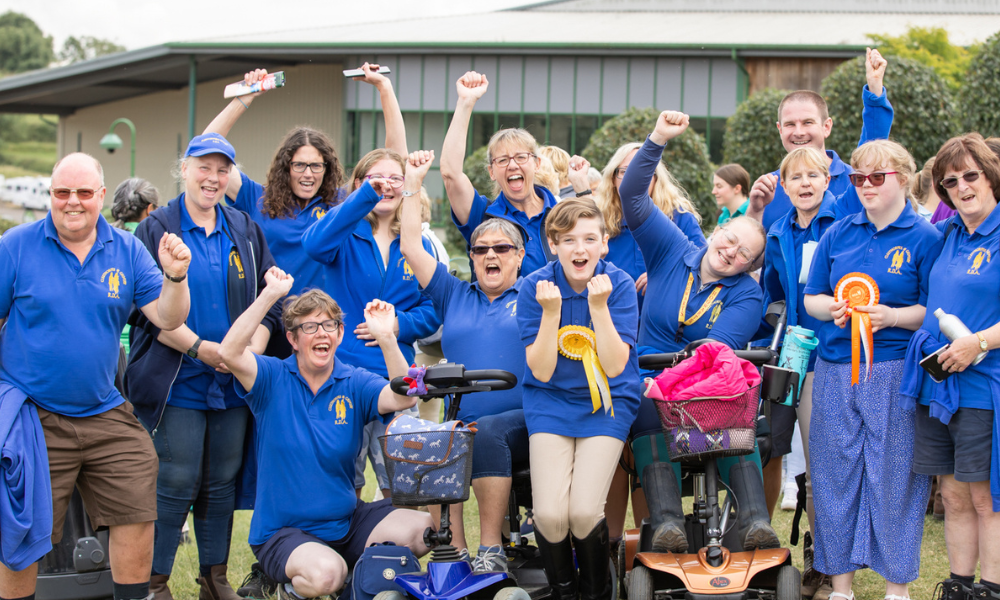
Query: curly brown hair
(278, 198)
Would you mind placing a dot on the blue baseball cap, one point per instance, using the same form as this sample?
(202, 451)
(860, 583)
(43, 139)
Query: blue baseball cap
(210, 143)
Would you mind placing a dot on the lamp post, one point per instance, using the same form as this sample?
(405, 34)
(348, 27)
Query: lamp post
(112, 142)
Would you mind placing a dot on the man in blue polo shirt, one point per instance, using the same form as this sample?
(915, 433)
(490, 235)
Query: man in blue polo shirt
(68, 282)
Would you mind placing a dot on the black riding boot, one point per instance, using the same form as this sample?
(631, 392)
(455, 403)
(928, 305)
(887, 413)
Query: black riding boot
(557, 559)
(752, 520)
(592, 556)
(663, 498)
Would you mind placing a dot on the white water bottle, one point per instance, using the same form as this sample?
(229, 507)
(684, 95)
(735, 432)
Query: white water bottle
(953, 328)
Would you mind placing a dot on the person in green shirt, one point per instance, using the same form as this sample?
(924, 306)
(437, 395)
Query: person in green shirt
(730, 186)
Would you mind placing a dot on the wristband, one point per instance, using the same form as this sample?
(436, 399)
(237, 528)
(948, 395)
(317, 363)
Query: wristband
(247, 107)
(175, 279)
(584, 193)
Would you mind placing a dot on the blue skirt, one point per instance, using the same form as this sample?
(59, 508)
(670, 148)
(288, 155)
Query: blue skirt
(869, 503)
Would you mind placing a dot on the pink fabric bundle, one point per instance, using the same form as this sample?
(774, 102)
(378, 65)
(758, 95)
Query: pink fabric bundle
(713, 372)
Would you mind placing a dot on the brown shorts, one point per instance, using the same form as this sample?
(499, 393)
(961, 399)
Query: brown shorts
(110, 458)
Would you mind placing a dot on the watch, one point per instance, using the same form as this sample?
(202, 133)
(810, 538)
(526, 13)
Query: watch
(408, 194)
(982, 341)
(175, 279)
(193, 350)
(584, 193)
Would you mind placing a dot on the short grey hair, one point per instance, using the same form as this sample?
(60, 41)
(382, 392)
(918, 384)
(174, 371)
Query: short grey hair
(503, 226)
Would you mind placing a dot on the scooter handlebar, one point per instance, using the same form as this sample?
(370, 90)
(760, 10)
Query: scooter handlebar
(652, 362)
(447, 377)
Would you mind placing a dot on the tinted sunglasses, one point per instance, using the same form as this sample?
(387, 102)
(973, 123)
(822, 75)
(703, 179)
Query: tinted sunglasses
(81, 193)
(969, 177)
(498, 248)
(877, 179)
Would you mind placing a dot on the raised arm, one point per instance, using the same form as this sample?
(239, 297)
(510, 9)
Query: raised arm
(170, 310)
(470, 88)
(636, 203)
(225, 120)
(411, 241)
(395, 129)
(235, 348)
(380, 317)
(543, 354)
(612, 351)
(322, 241)
(877, 113)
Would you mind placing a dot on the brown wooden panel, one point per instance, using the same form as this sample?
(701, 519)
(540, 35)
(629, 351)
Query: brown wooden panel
(789, 73)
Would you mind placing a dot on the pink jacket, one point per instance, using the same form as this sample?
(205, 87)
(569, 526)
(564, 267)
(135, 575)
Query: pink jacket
(713, 372)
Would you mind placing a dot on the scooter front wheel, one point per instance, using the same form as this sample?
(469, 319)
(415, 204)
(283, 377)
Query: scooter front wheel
(512, 593)
(640, 584)
(390, 595)
(789, 583)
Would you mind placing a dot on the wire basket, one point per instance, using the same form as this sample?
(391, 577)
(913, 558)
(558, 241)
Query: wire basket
(711, 414)
(692, 445)
(428, 467)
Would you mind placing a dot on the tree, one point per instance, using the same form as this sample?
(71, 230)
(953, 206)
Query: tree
(685, 156)
(85, 47)
(23, 46)
(926, 112)
(929, 46)
(751, 137)
(982, 105)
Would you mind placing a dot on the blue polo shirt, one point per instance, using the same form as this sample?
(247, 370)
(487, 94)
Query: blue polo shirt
(624, 252)
(284, 234)
(898, 258)
(876, 124)
(209, 315)
(60, 342)
(562, 406)
(967, 285)
(473, 324)
(306, 446)
(356, 275)
(536, 249)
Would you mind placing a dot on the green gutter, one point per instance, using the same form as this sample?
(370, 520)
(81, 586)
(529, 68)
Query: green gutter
(477, 45)
(192, 95)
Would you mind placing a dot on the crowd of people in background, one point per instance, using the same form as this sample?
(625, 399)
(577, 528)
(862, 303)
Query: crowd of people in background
(262, 320)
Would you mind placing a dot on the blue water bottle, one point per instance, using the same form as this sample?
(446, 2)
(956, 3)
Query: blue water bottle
(798, 345)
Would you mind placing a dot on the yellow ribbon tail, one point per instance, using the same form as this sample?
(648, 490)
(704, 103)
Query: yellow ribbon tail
(600, 391)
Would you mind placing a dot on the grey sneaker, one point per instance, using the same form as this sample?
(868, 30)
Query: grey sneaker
(492, 560)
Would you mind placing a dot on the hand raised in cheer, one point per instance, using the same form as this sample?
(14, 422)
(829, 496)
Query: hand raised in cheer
(548, 295)
(278, 282)
(875, 66)
(471, 86)
(418, 163)
(599, 290)
(175, 256)
(670, 124)
(380, 319)
(372, 75)
(578, 176)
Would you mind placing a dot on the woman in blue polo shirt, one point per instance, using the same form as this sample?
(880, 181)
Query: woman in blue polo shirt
(512, 160)
(956, 420)
(176, 379)
(577, 319)
(692, 294)
(478, 316)
(869, 504)
(308, 528)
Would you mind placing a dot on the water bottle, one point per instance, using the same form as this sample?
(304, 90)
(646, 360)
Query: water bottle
(953, 328)
(798, 345)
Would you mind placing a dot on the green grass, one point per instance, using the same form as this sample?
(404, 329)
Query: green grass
(867, 585)
(35, 157)
(11, 171)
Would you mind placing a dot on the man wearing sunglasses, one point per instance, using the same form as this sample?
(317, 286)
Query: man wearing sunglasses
(67, 285)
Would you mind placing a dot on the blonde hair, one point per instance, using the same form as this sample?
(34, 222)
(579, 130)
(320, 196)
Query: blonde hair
(560, 162)
(513, 136)
(922, 185)
(425, 205)
(668, 195)
(810, 158)
(315, 300)
(564, 216)
(361, 169)
(546, 176)
(895, 158)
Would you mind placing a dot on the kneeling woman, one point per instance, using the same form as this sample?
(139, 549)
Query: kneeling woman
(578, 318)
(308, 527)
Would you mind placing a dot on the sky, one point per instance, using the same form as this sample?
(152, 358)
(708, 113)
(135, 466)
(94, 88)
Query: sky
(141, 23)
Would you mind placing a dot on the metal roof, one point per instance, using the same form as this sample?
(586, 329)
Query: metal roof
(907, 7)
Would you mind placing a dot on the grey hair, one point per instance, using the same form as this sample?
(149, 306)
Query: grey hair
(97, 164)
(132, 196)
(177, 169)
(503, 226)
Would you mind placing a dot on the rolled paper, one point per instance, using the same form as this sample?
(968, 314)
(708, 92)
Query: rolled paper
(580, 343)
(858, 289)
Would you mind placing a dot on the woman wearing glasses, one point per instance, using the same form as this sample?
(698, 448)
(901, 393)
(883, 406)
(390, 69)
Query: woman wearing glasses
(692, 293)
(869, 504)
(955, 435)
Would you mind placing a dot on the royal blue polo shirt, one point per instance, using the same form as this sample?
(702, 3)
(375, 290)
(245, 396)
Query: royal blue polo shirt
(898, 258)
(536, 250)
(563, 406)
(308, 443)
(209, 315)
(356, 275)
(480, 335)
(966, 284)
(60, 343)
(624, 252)
(284, 233)
(876, 124)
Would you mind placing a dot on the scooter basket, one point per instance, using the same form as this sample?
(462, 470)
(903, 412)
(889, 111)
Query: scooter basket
(429, 467)
(692, 445)
(710, 414)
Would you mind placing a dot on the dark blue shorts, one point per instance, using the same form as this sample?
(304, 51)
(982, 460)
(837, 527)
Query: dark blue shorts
(273, 554)
(962, 447)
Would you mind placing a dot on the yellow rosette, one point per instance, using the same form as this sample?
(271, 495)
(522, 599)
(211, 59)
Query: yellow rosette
(580, 343)
(858, 289)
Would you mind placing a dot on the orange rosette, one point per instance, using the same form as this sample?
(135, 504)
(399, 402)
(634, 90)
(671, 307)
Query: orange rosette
(858, 289)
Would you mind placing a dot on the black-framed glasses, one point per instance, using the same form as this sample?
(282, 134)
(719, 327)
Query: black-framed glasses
(877, 178)
(620, 172)
(395, 181)
(300, 167)
(311, 327)
(743, 254)
(969, 177)
(81, 193)
(498, 248)
(520, 158)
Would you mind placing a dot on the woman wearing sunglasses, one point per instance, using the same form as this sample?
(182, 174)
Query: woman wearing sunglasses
(478, 316)
(956, 420)
(692, 293)
(869, 504)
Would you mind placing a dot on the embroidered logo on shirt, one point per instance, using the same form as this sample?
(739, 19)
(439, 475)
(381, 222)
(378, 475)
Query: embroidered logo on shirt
(977, 257)
(234, 258)
(899, 256)
(407, 269)
(319, 212)
(116, 279)
(512, 305)
(340, 403)
(716, 311)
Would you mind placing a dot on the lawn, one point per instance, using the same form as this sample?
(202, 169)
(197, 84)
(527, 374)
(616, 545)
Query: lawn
(867, 585)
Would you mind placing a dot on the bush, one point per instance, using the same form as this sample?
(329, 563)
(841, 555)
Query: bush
(475, 169)
(926, 112)
(981, 103)
(686, 156)
(751, 138)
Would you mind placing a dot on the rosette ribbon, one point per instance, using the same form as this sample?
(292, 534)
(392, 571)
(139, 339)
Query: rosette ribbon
(580, 343)
(858, 289)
